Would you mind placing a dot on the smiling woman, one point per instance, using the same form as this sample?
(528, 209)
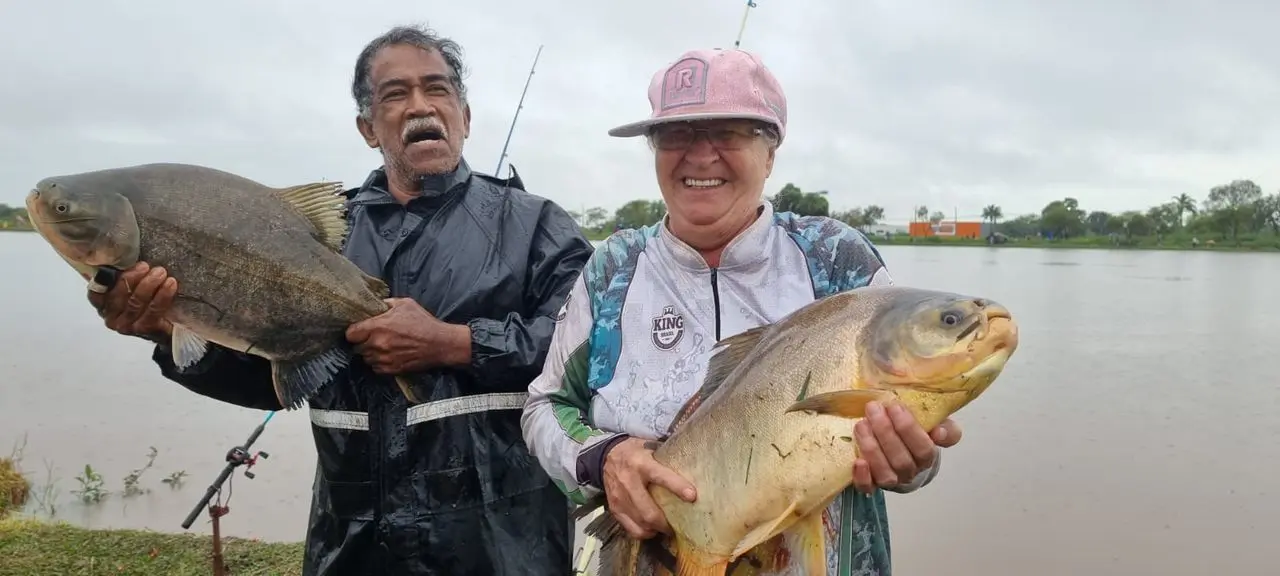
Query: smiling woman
(633, 343)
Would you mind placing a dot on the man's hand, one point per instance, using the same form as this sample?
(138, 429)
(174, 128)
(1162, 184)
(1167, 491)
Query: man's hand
(894, 448)
(136, 305)
(407, 338)
(629, 469)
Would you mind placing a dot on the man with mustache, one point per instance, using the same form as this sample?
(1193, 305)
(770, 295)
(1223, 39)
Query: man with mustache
(478, 269)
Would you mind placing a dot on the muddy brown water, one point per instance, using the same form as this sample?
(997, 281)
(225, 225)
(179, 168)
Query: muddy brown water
(1137, 431)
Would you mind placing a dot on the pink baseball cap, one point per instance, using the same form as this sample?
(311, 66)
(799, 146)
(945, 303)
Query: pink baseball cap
(712, 84)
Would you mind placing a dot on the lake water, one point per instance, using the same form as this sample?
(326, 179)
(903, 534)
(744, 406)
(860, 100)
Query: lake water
(1137, 430)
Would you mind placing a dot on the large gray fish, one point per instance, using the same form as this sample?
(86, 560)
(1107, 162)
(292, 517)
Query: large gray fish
(259, 269)
(768, 439)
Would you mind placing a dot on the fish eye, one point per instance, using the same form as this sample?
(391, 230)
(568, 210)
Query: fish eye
(61, 208)
(951, 318)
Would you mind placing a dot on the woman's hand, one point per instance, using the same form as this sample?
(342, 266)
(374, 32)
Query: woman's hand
(629, 469)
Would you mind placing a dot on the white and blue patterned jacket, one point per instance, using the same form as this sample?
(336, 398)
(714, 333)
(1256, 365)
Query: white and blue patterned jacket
(632, 343)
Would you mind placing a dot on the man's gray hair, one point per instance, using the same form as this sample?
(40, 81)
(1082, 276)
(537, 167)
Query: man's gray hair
(420, 36)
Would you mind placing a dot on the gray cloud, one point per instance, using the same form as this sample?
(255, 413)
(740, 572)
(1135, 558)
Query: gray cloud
(951, 104)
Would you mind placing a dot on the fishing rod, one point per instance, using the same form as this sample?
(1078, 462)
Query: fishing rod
(236, 457)
(742, 28)
(517, 114)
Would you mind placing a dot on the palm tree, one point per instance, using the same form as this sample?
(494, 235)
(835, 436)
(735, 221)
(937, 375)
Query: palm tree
(1184, 203)
(992, 213)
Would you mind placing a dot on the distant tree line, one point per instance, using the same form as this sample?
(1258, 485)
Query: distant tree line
(1228, 213)
(12, 218)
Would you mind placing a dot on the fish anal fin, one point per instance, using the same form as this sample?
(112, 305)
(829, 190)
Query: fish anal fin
(808, 540)
(845, 403)
(732, 351)
(766, 557)
(406, 388)
(321, 204)
(187, 347)
(295, 381)
(764, 532)
(693, 562)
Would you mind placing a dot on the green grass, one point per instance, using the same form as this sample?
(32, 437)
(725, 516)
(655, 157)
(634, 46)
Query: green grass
(14, 487)
(29, 547)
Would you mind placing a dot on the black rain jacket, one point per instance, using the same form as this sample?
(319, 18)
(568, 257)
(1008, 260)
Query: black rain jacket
(446, 487)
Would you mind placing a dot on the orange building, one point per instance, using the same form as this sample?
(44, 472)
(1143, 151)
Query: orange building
(949, 228)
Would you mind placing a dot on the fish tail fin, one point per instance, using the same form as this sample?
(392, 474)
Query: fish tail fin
(618, 551)
(586, 508)
(691, 561)
(604, 528)
(297, 380)
(406, 388)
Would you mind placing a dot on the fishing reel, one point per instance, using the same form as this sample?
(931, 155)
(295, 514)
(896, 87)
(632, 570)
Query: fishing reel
(238, 456)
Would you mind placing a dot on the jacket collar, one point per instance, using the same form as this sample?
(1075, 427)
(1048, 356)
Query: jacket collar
(375, 191)
(748, 248)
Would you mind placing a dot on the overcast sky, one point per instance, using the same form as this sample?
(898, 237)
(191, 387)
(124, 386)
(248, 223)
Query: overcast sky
(953, 104)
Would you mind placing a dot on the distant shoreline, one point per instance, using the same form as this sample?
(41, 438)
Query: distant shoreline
(1262, 244)
(1265, 244)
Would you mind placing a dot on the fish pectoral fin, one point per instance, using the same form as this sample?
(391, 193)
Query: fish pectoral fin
(808, 537)
(298, 380)
(693, 562)
(846, 403)
(321, 204)
(187, 347)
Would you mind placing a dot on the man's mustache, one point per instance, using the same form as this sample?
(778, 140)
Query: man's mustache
(418, 126)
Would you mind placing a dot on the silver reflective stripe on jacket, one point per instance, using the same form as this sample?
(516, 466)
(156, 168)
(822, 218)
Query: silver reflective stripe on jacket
(419, 413)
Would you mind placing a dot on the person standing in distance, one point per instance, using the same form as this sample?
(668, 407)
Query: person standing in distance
(478, 268)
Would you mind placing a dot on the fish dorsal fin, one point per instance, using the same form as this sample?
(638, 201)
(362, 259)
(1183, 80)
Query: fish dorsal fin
(322, 204)
(728, 354)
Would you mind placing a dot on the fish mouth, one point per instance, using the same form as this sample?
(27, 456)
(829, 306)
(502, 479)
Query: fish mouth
(993, 337)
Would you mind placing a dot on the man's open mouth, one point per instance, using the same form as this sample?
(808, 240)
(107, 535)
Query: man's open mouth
(424, 135)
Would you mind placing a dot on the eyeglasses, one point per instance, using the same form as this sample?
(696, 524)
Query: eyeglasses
(680, 137)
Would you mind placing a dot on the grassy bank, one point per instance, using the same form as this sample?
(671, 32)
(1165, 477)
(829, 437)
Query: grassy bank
(1266, 243)
(14, 487)
(35, 547)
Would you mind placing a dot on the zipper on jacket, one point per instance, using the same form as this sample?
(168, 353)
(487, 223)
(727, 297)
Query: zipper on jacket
(715, 297)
